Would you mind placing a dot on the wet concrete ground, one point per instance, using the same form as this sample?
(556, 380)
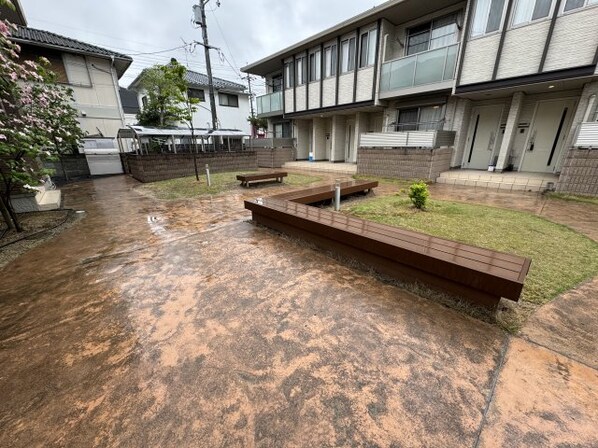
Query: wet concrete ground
(181, 324)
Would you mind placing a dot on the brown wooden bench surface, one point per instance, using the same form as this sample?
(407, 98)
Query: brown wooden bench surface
(479, 274)
(326, 192)
(246, 178)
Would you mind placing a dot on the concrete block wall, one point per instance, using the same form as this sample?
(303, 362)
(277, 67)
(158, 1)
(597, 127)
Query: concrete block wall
(274, 157)
(579, 174)
(404, 163)
(72, 167)
(156, 167)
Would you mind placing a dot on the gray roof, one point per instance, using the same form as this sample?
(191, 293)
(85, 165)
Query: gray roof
(200, 80)
(129, 101)
(48, 39)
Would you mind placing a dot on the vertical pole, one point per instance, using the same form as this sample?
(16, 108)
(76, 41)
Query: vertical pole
(206, 47)
(337, 195)
(208, 175)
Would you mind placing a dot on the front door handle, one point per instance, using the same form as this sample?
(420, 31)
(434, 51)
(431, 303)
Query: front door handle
(532, 142)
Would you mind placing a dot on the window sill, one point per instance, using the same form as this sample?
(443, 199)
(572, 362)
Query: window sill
(533, 22)
(573, 11)
(483, 36)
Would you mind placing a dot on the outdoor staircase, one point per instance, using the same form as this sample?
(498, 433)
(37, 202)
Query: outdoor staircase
(510, 181)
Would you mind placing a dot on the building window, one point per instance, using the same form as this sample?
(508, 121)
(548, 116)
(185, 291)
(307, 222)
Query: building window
(301, 70)
(144, 101)
(289, 76)
(427, 118)
(315, 66)
(228, 100)
(348, 55)
(77, 70)
(283, 130)
(487, 16)
(330, 61)
(529, 10)
(438, 33)
(277, 83)
(570, 5)
(198, 94)
(367, 48)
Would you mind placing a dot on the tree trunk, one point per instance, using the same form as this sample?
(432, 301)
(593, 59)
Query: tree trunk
(6, 215)
(13, 215)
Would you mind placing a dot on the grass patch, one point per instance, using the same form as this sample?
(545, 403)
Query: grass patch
(399, 183)
(189, 187)
(574, 198)
(561, 257)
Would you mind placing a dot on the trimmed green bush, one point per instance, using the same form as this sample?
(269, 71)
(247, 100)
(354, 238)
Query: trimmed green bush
(419, 194)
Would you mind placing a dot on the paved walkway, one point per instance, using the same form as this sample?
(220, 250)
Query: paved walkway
(181, 324)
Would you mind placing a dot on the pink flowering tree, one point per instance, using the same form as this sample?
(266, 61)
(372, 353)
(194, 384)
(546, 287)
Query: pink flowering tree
(37, 122)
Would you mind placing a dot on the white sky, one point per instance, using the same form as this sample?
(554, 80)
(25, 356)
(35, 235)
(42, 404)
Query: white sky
(245, 30)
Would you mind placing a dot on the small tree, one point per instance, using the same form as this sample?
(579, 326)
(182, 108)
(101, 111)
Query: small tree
(419, 194)
(166, 89)
(257, 123)
(37, 122)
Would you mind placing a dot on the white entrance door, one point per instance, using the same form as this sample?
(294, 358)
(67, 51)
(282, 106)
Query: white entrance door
(484, 137)
(350, 141)
(549, 129)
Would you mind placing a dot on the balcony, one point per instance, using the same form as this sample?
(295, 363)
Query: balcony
(269, 105)
(587, 135)
(413, 74)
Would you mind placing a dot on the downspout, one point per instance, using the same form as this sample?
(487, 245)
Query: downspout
(116, 91)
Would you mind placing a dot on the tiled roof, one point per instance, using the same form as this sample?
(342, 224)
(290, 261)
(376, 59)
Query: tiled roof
(200, 80)
(46, 38)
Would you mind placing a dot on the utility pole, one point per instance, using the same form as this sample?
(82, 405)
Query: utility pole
(201, 21)
(253, 128)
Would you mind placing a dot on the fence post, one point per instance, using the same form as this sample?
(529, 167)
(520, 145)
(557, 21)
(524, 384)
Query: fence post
(337, 195)
(208, 175)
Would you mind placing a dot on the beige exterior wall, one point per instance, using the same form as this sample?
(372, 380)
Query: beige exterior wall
(289, 99)
(338, 136)
(314, 95)
(522, 50)
(480, 55)
(574, 40)
(301, 93)
(365, 84)
(329, 98)
(345, 89)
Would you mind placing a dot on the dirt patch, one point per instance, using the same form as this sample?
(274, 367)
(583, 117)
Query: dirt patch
(39, 227)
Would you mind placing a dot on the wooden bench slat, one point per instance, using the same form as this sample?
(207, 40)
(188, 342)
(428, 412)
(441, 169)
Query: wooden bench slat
(507, 261)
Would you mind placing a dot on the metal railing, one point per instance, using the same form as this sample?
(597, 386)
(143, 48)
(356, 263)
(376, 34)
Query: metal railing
(269, 104)
(587, 135)
(428, 67)
(416, 126)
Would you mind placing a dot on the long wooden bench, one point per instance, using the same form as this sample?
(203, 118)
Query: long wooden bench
(247, 178)
(326, 192)
(479, 275)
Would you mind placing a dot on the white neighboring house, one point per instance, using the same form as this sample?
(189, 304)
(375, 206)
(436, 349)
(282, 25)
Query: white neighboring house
(130, 102)
(232, 102)
(90, 71)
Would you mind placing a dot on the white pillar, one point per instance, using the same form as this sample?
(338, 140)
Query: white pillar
(339, 129)
(318, 143)
(361, 126)
(510, 130)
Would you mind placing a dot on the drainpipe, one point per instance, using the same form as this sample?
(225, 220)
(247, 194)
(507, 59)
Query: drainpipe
(115, 81)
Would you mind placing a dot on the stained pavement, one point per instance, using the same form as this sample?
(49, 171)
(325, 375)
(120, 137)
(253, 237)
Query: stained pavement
(182, 324)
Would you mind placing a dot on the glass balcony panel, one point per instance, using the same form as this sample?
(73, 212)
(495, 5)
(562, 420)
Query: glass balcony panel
(269, 104)
(401, 74)
(430, 67)
(451, 63)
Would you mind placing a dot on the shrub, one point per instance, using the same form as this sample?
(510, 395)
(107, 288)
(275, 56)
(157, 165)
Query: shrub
(419, 194)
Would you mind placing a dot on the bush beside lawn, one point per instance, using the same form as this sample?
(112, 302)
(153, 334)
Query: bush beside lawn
(189, 187)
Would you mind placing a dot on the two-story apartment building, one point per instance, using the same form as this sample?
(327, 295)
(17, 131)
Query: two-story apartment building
(232, 101)
(508, 84)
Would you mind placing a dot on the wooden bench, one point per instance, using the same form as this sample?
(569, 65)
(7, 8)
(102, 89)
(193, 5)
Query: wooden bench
(326, 192)
(247, 178)
(479, 275)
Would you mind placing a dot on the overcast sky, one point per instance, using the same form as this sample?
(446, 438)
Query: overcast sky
(246, 30)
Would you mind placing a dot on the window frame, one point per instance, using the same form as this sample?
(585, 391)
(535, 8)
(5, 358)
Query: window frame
(289, 75)
(301, 64)
(365, 50)
(513, 25)
(333, 60)
(441, 106)
(586, 4)
(193, 89)
(315, 66)
(486, 32)
(350, 55)
(222, 95)
(430, 32)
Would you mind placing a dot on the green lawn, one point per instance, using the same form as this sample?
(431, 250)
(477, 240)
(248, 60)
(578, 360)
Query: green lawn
(189, 187)
(574, 198)
(561, 257)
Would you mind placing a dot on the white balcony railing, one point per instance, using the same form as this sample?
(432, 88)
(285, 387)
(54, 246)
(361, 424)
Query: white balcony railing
(407, 139)
(428, 67)
(269, 104)
(587, 135)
